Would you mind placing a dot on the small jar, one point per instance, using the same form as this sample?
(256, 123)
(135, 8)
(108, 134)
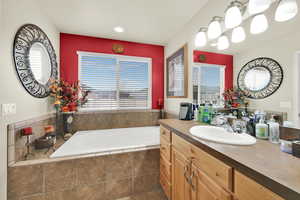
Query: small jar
(286, 146)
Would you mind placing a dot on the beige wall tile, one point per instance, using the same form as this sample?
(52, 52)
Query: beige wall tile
(35, 197)
(90, 170)
(25, 180)
(115, 189)
(60, 175)
(145, 183)
(118, 166)
(146, 162)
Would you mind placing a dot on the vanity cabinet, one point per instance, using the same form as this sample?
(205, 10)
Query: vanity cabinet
(248, 189)
(181, 173)
(197, 175)
(189, 173)
(205, 188)
(165, 161)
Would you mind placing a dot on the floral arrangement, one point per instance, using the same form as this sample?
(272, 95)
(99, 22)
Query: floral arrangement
(234, 98)
(67, 96)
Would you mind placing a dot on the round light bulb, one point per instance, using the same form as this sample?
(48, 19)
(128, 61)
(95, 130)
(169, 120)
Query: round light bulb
(223, 42)
(259, 24)
(214, 29)
(238, 35)
(258, 6)
(233, 17)
(200, 39)
(287, 9)
(119, 29)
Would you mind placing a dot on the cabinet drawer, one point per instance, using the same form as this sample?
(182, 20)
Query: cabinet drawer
(165, 185)
(247, 189)
(165, 134)
(165, 168)
(165, 150)
(214, 168)
(181, 145)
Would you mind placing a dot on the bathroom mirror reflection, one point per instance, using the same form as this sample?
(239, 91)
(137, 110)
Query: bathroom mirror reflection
(40, 63)
(208, 83)
(257, 78)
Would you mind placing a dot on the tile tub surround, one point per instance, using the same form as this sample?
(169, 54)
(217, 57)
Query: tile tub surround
(83, 120)
(132, 176)
(95, 120)
(16, 143)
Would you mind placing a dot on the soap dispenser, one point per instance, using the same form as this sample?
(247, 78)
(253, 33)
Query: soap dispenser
(273, 130)
(261, 130)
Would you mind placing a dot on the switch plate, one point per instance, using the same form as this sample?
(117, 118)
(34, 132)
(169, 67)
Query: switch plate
(8, 109)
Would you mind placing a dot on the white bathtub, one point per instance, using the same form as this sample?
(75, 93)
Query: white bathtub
(109, 141)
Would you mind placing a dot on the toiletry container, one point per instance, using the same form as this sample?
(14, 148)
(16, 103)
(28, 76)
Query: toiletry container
(261, 130)
(273, 131)
(286, 146)
(196, 113)
(201, 111)
(296, 149)
(206, 114)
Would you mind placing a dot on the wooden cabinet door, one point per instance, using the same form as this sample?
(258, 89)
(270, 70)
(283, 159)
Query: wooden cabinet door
(248, 189)
(204, 188)
(180, 170)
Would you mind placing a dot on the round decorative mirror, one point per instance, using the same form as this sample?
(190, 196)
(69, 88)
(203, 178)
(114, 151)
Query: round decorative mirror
(39, 61)
(35, 60)
(260, 78)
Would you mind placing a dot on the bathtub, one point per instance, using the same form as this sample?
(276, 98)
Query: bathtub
(109, 141)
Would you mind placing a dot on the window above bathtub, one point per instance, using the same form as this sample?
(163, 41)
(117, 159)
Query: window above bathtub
(115, 81)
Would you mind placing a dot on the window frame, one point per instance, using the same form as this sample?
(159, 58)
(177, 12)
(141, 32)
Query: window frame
(120, 58)
(222, 78)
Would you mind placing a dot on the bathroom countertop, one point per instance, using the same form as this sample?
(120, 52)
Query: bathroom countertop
(263, 162)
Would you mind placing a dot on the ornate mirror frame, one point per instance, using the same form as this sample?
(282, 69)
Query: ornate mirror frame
(275, 82)
(25, 37)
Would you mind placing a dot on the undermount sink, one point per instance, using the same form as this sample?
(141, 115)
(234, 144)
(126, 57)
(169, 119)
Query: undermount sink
(220, 135)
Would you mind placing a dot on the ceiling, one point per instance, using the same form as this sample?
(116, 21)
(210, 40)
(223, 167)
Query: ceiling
(146, 21)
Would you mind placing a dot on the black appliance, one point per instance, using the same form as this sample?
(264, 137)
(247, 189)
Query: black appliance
(186, 111)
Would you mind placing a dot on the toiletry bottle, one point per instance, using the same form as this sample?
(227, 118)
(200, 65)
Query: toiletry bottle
(206, 114)
(261, 130)
(201, 111)
(273, 131)
(196, 112)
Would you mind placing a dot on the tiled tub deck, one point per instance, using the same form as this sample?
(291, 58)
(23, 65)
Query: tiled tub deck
(132, 176)
(91, 120)
(128, 175)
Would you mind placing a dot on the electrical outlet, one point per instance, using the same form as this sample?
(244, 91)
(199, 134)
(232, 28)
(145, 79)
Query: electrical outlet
(13, 109)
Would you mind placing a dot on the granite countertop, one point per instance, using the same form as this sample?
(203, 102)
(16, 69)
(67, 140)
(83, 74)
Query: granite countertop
(264, 162)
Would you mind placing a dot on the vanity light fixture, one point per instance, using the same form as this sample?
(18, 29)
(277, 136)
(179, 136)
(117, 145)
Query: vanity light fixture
(258, 6)
(233, 16)
(214, 28)
(238, 35)
(119, 29)
(223, 42)
(201, 39)
(286, 10)
(259, 24)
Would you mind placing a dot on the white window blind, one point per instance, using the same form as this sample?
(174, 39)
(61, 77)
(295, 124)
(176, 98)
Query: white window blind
(115, 82)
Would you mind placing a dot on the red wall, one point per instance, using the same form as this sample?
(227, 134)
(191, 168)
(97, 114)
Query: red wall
(70, 44)
(218, 59)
